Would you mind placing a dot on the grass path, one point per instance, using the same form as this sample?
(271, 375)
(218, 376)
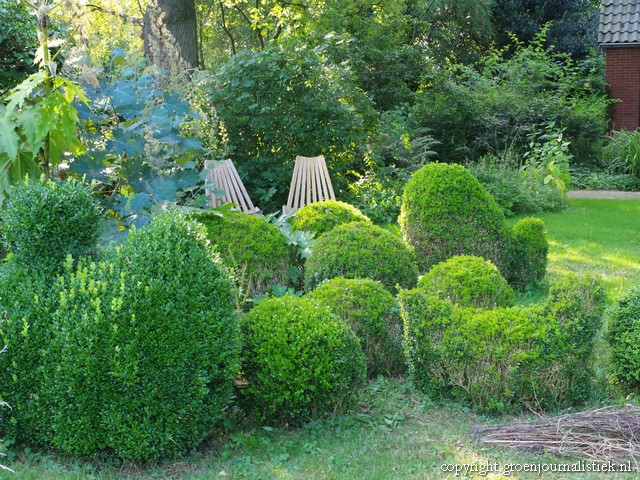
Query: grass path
(397, 433)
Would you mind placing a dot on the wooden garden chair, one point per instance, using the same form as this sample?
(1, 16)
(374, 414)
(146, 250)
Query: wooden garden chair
(223, 176)
(310, 183)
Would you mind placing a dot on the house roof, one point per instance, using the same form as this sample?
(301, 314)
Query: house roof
(619, 23)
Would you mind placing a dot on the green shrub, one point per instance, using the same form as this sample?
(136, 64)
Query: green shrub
(622, 153)
(44, 221)
(515, 190)
(468, 282)
(373, 314)
(307, 107)
(28, 299)
(605, 181)
(505, 358)
(361, 250)
(498, 102)
(145, 347)
(623, 336)
(526, 254)
(299, 360)
(320, 217)
(255, 249)
(446, 212)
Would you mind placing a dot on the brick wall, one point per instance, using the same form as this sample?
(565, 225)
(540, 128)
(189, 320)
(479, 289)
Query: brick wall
(623, 76)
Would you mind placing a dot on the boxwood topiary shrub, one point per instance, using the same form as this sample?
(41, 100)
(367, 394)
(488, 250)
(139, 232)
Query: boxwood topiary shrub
(320, 217)
(502, 359)
(300, 361)
(468, 282)
(255, 249)
(373, 314)
(361, 250)
(446, 212)
(43, 222)
(145, 347)
(527, 252)
(623, 336)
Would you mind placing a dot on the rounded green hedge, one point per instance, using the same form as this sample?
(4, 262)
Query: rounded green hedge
(446, 212)
(320, 217)
(468, 282)
(373, 314)
(300, 361)
(623, 335)
(540, 356)
(44, 221)
(255, 249)
(145, 347)
(361, 250)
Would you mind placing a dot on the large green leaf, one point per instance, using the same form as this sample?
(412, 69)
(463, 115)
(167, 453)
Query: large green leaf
(22, 91)
(9, 139)
(32, 128)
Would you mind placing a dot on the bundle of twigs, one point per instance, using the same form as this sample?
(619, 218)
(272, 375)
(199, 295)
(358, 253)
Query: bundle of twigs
(606, 434)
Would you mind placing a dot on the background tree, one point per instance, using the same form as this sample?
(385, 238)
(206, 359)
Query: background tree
(171, 33)
(573, 29)
(18, 42)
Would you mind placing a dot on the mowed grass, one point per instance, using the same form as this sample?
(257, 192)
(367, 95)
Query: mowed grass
(597, 237)
(396, 432)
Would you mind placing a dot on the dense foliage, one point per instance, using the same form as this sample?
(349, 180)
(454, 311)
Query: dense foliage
(505, 358)
(468, 282)
(278, 103)
(518, 190)
(300, 361)
(255, 249)
(361, 250)
(621, 154)
(526, 252)
(373, 314)
(506, 99)
(320, 217)
(17, 43)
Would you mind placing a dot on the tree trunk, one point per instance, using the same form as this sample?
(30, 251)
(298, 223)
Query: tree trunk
(170, 34)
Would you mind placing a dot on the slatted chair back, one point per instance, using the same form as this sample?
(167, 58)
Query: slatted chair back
(224, 186)
(310, 183)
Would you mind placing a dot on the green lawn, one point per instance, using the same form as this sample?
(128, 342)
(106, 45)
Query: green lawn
(396, 433)
(598, 237)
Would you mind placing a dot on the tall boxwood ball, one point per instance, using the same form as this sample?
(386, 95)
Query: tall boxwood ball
(300, 361)
(320, 217)
(446, 212)
(361, 250)
(145, 346)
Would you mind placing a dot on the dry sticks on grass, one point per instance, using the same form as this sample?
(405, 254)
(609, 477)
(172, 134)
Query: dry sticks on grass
(606, 434)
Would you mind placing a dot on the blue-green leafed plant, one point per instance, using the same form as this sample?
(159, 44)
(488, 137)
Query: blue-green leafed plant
(140, 146)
